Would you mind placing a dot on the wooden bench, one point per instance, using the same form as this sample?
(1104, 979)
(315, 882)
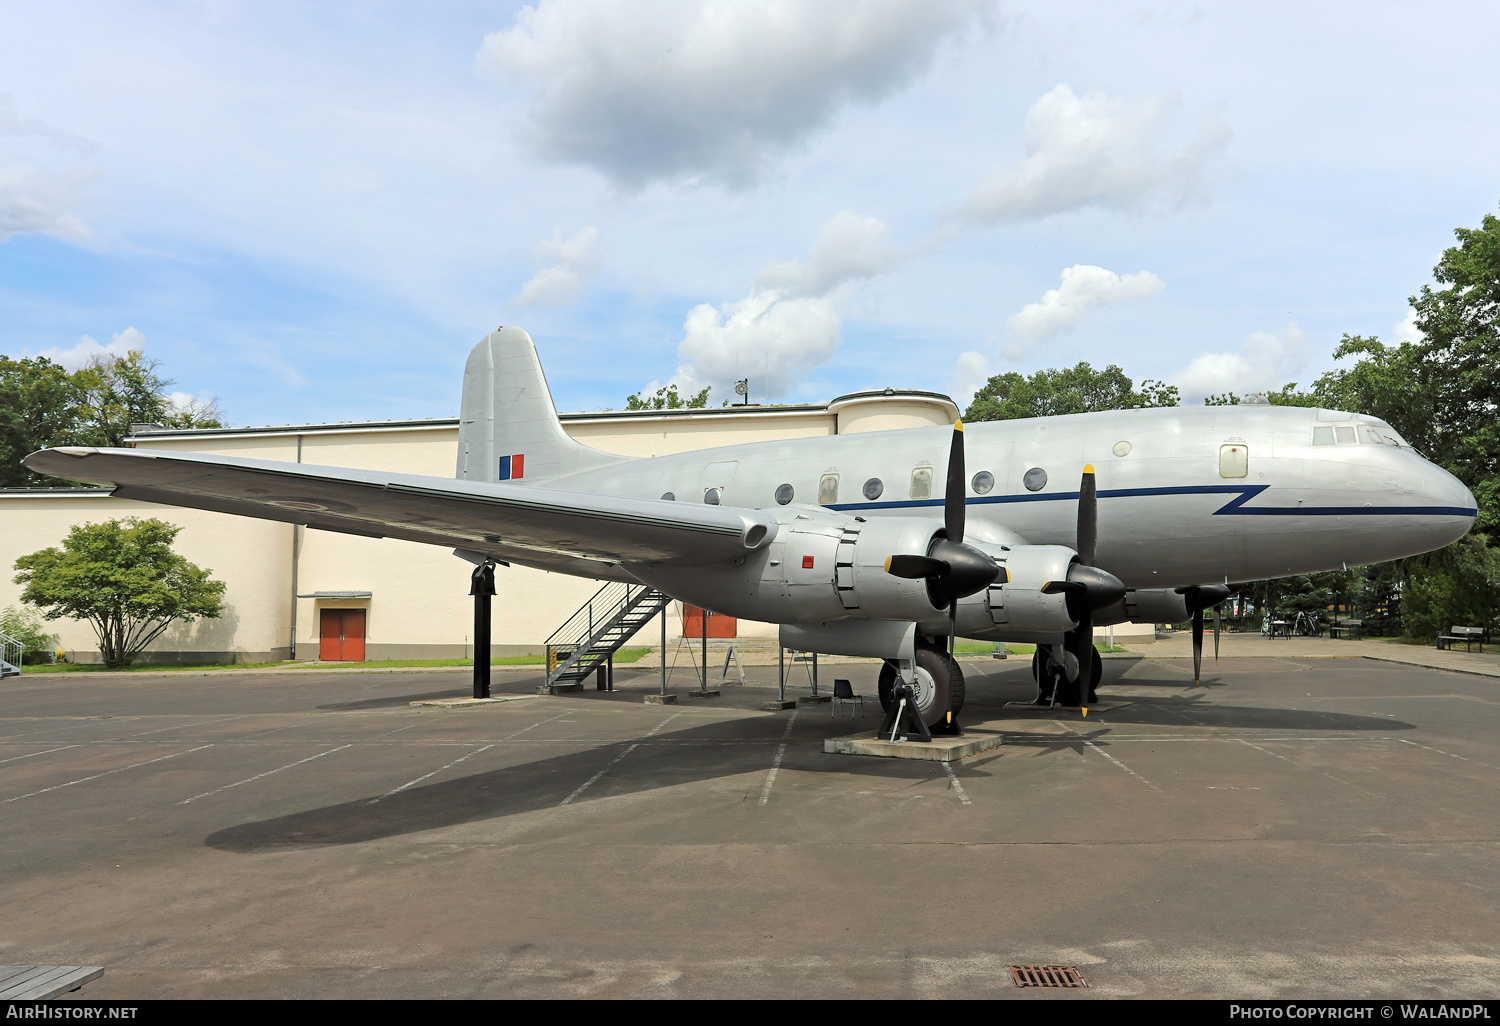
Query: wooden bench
(1468, 635)
(40, 982)
(1349, 627)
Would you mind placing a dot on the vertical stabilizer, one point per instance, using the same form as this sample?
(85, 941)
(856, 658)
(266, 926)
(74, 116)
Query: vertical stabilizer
(508, 428)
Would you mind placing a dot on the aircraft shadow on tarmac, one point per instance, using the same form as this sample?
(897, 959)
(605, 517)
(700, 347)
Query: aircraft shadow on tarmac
(673, 759)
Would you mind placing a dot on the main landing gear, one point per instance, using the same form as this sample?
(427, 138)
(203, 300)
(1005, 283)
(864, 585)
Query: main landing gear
(1052, 684)
(939, 688)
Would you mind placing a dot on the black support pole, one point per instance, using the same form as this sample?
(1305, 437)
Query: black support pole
(482, 586)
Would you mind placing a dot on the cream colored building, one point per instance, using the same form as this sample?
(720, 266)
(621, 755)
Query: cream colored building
(416, 597)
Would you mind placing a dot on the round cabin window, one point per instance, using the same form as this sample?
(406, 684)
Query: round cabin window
(1122, 448)
(784, 494)
(668, 497)
(873, 488)
(713, 495)
(1035, 479)
(983, 482)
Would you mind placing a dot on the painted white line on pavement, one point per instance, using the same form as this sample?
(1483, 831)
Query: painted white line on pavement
(267, 773)
(16, 758)
(957, 786)
(96, 776)
(424, 776)
(765, 792)
(585, 785)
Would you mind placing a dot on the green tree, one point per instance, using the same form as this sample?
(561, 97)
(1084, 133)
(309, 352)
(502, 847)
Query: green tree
(666, 398)
(40, 406)
(1052, 392)
(118, 391)
(124, 579)
(24, 625)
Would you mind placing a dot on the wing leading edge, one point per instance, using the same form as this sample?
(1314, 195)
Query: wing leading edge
(574, 532)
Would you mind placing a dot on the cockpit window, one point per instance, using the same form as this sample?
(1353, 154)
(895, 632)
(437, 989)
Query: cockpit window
(1345, 435)
(1364, 434)
(1322, 436)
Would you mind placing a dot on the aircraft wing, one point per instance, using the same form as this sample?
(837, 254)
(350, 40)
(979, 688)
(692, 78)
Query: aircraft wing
(575, 532)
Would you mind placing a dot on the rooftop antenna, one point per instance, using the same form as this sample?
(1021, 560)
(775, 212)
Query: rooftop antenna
(742, 388)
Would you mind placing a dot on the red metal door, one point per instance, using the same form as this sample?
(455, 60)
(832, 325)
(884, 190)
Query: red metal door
(719, 625)
(331, 634)
(354, 635)
(341, 635)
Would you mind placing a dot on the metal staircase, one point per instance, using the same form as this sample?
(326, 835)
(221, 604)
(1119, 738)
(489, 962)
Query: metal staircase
(10, 656)
(598, 630)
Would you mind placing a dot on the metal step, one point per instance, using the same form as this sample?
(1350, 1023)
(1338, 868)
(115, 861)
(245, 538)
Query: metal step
(601, 627)
(7, 670)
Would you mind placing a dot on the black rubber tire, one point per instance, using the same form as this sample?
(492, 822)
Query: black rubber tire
(935, 662)
(1098, 676)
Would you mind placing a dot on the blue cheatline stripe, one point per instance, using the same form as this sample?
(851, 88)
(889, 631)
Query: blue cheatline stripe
(1233, 508)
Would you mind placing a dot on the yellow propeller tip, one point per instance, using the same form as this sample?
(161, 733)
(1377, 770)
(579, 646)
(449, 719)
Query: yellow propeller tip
(1085, 712)
(958, 425)
(888, 563)
(1088, 468)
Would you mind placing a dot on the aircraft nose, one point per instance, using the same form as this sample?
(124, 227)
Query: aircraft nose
(1446, 490)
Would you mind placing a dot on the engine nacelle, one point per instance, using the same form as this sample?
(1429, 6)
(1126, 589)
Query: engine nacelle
(1019, 604)
(1156, 605)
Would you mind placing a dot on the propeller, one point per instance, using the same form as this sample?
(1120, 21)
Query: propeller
(951, 569)
(1197, 599)
(1087, 587)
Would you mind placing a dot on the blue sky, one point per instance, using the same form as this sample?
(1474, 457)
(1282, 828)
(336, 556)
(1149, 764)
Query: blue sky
(312, 212)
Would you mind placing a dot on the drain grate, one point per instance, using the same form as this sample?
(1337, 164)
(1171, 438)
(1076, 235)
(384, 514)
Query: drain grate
(1046, 976)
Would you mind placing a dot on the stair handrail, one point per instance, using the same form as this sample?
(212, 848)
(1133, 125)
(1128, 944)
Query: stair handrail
(599, 607)
(12, 651)
(635, 594)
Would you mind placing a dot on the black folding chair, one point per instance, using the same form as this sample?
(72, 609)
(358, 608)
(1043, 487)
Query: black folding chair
(843, 694)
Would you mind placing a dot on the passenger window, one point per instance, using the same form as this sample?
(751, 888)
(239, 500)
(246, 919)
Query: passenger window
(873, 488)
(1234, 461)
(828, 490)
(921, 483)
(1322, 436)
(1345, 435)
(785, 494)
(983, 482)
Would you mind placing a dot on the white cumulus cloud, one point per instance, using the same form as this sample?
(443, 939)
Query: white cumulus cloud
(788, 324)
(88, 349)
(571, 260)
(1083, 287)
(970, 376)
(1097, 150)
(1266, 362)
(681, 90)
(38, 191)
(1406, 330)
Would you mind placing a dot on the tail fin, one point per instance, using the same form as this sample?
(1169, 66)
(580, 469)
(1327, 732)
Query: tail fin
(508, 428)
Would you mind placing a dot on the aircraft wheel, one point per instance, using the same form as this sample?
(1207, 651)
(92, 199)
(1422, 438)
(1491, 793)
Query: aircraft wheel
(1098, 678)
(934, 687)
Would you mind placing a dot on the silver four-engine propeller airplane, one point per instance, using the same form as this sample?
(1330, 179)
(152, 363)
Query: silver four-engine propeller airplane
(1149, 515)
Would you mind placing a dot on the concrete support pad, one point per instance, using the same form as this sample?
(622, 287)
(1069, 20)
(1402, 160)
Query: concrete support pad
(777, 704)
(558, 689)
(814, 699)
(708, 693)
(939, 749)
(661, 699)
(464, 703)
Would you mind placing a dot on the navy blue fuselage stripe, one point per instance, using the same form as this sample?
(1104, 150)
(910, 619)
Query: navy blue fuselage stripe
(1235, 507)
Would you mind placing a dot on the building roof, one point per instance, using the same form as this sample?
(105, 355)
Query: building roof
(142, 431)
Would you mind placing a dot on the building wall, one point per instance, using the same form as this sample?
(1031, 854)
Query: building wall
(419, 605)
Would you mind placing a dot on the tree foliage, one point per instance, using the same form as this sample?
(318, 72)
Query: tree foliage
(666, 398)
(43, 405)
(1052, 392)
(26, 626)
(124, 579)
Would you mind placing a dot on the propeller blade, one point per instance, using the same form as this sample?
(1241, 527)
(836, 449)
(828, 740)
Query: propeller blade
(1088, 516)
(1198, 649)
(953, 498)
(1216, 633)
(952, 626)
(916, 568)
